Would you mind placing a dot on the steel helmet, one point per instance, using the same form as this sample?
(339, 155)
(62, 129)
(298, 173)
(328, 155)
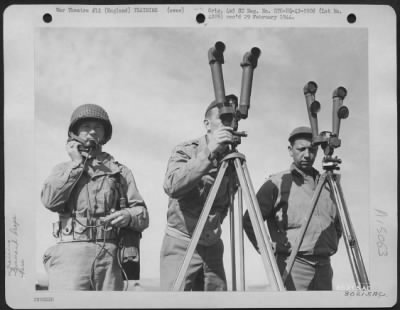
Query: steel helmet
(92, 111)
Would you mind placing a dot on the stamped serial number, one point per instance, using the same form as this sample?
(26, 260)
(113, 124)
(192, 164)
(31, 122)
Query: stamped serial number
(43, 299)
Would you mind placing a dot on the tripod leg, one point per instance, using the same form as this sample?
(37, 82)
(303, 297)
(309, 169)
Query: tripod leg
(260, 231)
(265, 233)
(349, 236)
(303, 229)
(260, 219)
(232, 235)
(241, 244)
(199, 227)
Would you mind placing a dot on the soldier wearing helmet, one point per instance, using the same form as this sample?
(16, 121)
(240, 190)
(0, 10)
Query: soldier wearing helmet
(101, 212)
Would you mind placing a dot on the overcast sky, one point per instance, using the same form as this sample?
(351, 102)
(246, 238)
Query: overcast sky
(155, 84)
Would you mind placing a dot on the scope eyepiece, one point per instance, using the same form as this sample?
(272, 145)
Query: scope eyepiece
(343, 112)
(220, 46)
(315, 107)
(310, 88)
(255, 52)
(251, 58)
(216, 53)
(340, 92)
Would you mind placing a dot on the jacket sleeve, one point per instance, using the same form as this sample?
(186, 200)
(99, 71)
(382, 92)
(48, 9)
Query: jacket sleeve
(184, 172)
(266, 197)
(58, 186)
(135, 203)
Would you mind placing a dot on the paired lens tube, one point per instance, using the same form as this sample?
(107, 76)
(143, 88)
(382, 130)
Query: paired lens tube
(216, 59)
(339, 111)
(248, 64)
(313, 106)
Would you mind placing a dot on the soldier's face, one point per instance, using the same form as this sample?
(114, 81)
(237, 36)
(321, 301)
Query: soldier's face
(303, 153)
(213, 120)
(91, 130)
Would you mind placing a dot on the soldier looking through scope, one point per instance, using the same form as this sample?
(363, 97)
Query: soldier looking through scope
(189, 248)
(190, 174)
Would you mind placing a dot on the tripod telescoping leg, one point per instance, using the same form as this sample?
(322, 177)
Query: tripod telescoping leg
(199, 227)
(232, 233)
(241, 243)
(349, 236)
(263, 239)
(262, 236)
(233, 185)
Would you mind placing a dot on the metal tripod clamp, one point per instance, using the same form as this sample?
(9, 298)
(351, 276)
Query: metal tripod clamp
(248, 64)
(216, 59)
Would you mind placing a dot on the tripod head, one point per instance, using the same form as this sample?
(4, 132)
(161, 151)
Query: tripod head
(230, 111)
(329, 140)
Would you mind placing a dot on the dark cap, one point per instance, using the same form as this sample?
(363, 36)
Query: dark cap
(300, 131)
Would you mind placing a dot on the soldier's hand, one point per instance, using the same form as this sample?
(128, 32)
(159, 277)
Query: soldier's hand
(73, 152)
(120, 218)
(207, 180)
(220, 139)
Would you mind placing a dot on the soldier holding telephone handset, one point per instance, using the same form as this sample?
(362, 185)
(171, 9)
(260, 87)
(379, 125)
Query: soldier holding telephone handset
(101, 212)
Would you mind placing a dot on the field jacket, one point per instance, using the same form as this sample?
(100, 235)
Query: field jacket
(284, 200)
(184, 183)
(92, 192)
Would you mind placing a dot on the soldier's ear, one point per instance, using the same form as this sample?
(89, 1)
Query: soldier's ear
(290, 149)
(206, 123)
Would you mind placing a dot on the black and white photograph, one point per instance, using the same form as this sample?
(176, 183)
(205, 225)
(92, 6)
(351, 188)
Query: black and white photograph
(200, 155)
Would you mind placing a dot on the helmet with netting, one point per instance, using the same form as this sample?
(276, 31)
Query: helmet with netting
(94, 112)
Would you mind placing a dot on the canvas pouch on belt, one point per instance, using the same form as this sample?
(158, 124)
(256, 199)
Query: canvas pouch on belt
(129, 253)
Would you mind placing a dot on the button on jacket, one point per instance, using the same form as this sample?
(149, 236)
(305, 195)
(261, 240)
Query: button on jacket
(187, 190)
(284, 200)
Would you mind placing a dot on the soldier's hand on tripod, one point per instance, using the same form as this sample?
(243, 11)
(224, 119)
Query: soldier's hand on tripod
(219, 139)
(207, 180)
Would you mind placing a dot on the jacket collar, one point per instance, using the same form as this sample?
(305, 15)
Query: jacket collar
(297, 172)
(104, 164)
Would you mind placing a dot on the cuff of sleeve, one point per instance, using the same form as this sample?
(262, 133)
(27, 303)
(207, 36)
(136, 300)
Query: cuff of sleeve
(75, 169)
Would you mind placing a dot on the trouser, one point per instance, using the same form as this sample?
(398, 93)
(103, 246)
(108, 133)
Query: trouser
(307, 275)
(206, 266)
(83, 266)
